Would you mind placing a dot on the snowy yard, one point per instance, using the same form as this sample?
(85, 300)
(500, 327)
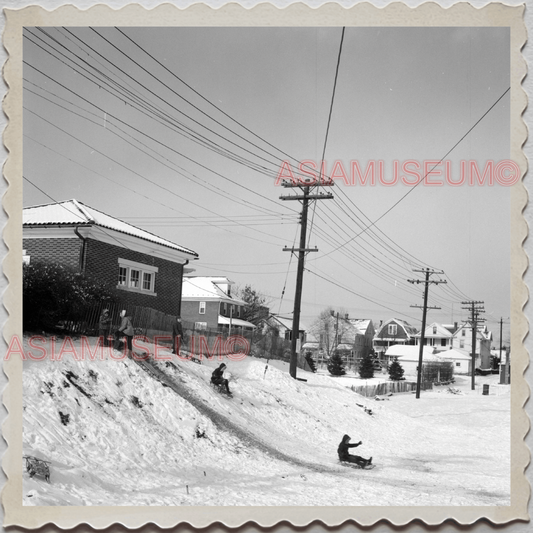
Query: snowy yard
(117, 435)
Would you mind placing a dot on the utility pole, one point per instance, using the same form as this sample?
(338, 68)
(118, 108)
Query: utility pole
(302, 250)
(475, 308)
(501, 330)
(426, 283)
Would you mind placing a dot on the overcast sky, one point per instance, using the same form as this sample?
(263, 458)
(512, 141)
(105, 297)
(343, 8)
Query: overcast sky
(133, 131)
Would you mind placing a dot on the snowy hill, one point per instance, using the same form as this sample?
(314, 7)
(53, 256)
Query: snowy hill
(156, 433)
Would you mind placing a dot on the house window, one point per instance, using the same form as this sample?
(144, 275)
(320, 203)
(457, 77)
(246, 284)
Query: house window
(392, 329)
(443, 342)
(122, 275)
(434, 330)
(457, 364)
(464, 332)
(462, 344)
(202, 308)
(147, 281)
(136, 277)
(200, 325)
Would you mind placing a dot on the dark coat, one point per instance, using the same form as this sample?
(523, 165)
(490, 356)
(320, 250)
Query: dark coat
(218, 375)
(177, 329)
(342, 450)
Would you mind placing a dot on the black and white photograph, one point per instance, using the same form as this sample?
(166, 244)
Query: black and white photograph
(270, 266)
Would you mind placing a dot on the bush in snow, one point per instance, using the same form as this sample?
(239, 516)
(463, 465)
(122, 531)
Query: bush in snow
(336, 365)
(52, 293)
(366, 368)
(395, 370)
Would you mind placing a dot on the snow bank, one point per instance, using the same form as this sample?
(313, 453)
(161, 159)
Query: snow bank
(120, 433)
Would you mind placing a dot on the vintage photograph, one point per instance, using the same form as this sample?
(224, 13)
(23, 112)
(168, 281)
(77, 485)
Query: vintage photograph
(267, 266)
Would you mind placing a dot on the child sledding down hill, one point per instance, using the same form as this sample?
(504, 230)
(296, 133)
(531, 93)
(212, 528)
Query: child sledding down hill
(217, 377)
(346, 457)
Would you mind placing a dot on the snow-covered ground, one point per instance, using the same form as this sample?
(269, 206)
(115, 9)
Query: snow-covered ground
(121, 433)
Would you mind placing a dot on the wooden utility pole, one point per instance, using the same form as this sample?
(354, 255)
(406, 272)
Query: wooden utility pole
(302, 250)
(475, 310)
(426, 283)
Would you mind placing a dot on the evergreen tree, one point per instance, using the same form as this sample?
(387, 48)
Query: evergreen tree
(310, 361)
(336, 365)
(396, 370)
(366, 368)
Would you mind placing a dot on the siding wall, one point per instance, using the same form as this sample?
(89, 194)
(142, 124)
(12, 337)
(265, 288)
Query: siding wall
(190, 312)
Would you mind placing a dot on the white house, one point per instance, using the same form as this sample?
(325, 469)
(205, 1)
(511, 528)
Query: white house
(461, 359)
(462, 340)
(437, 335)
(408, 356)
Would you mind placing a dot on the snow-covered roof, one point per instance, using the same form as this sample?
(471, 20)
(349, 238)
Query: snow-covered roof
(362, 324)
(75, 213)
(455, 353)
(206, 288)
(409, 352)
(237, 322)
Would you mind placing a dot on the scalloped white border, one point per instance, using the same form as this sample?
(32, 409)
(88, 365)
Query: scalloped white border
(395, 14)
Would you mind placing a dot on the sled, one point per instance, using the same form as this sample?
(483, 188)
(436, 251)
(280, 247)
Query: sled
(37, 467)
(356, 466)
(222, 390)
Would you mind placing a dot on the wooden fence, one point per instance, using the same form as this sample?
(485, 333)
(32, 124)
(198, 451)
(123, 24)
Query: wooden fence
(381, 389)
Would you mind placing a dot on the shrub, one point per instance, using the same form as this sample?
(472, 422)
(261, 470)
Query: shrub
(366, 368)
(396, 370)
(52, 293)
(336, 365)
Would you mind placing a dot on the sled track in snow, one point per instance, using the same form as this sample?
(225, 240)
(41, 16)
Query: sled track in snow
(224, 423)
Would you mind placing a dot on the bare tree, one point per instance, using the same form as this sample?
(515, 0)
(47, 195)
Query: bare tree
(329, 329)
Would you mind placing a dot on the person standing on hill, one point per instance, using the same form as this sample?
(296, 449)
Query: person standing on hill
(346, 457)
(104, 326)
(126, 328)
(177, 335)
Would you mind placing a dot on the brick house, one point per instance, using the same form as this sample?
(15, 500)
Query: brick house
(146, 268)
(207, 303)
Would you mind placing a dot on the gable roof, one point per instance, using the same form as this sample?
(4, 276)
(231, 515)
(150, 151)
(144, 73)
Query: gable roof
(206, 288)
(442, 331)
(74, 213)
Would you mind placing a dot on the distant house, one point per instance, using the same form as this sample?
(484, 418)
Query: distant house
(352, 341)
(461, 359)
(408, 356)
(437, 335)
(462, 340)
(146, 269)
(391, 332)
(207, 303)
(282, 325)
